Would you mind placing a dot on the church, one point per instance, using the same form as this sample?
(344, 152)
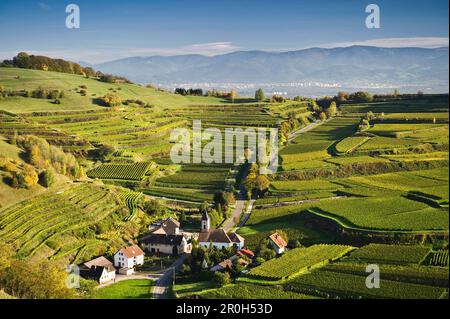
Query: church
(218, 238)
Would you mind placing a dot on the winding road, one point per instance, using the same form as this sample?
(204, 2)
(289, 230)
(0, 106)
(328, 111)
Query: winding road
(165, 280)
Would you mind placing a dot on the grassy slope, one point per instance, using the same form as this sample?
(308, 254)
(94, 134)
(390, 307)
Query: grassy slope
(13, 151)
(32, 79)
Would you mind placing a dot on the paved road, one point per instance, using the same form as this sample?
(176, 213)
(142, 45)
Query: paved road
(162, 285)
(235, 215)
(246, 214)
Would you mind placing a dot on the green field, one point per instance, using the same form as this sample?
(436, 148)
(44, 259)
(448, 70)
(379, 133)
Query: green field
(332, 284)
(32, 79)
(390, 254)
(298, 260)
(127, 289)
(314, 144)
(249, 291)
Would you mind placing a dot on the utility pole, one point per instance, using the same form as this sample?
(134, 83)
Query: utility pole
(173, 276)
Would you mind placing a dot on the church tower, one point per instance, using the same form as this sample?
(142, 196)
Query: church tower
(205, 222)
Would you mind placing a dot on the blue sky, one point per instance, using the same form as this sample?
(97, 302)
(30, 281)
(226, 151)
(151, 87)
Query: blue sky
(115, 29)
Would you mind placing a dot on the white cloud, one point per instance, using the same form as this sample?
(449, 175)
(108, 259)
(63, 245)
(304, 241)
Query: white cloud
(44, 6)
(419, 42)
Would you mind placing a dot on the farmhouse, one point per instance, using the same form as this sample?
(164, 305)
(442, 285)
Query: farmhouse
(228, 263)
(166, 244)
(169, 226)
(223, 265)
(129, 257)
(246, 252)
(99, 269)
(166, 238)
(218, 238)
(277, 242)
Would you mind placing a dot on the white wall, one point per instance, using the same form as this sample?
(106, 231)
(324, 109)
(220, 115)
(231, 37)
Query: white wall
(120, 261)
(107, 276)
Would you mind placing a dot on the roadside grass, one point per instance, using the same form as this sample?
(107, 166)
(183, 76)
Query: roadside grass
(126, 289)
(183, 290)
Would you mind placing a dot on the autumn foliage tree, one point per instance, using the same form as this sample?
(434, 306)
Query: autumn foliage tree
(111, 99)
(42, 155)
(25, 177)
(233, 95)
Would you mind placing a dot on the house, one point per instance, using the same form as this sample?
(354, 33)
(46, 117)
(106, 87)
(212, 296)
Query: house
(166, 238)
(246, 252)
(169, 226)
(218, 238)
(228, 263)
(129, 257)
(99, 269)
(223, 265)
(277, 242)
(166, 244)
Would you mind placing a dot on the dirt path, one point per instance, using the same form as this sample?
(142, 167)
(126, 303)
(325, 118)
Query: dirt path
(305, 129)
(299, 202)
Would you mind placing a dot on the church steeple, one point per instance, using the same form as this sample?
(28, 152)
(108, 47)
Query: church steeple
(205, 222)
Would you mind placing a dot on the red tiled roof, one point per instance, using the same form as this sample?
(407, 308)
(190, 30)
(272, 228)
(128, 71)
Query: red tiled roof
(131, 251)
(278, 240)
(248, 252)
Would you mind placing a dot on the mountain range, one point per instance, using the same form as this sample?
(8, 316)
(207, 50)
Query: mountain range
(348, 66)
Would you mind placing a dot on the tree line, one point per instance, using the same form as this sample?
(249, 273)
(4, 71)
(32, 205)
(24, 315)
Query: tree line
(24, 60)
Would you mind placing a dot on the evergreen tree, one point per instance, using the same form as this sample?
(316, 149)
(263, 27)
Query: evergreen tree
(259, 95)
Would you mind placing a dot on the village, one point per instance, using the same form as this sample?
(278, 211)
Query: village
(167, 240)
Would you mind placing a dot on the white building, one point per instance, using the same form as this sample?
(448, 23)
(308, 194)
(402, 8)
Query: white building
(166, 239)
(166, 244)
(277, 242)
(218, 238)
(99, 269)
(129, 257)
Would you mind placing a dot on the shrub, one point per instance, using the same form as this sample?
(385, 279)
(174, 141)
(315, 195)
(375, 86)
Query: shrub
(47, 177)
(111, 99)
(25, 178)
(221, 278)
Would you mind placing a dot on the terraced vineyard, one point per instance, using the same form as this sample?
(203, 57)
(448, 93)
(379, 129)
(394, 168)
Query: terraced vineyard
(437, 258)
(130, 199)
(390, 254)
(32, 225)
(135, 171)
(299, 259)
(336, 185)
(332, 284)
(248, 291)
